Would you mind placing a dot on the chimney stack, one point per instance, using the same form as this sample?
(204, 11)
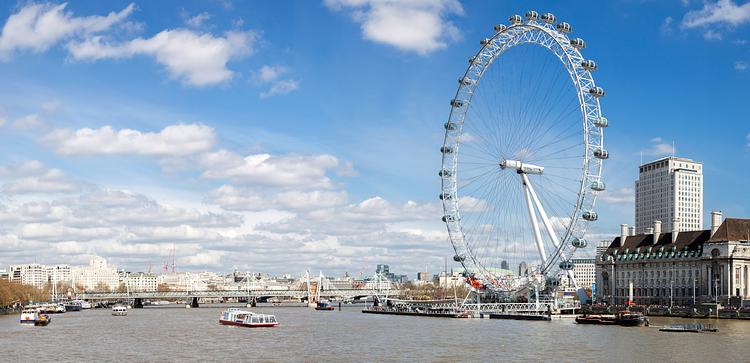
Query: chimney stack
(715, 221)
(623, 233)
(631, 231)
(675, 229)
(657, 230)
(650, 230)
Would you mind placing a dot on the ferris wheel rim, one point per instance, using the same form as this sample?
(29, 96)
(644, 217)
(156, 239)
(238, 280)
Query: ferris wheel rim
(588, 111)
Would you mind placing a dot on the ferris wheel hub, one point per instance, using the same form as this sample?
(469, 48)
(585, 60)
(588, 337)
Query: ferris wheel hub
(520, 167)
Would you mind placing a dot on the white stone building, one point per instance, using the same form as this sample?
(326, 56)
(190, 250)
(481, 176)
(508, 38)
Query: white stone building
(139, 281)
(97, 272)
(584, 271)
(33, 274)
(678, 268)
(667, 189)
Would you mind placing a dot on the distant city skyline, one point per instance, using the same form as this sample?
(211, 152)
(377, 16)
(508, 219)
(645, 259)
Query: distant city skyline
(282, 138)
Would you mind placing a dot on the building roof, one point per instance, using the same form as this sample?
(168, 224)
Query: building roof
(690, 240)
(732, 229)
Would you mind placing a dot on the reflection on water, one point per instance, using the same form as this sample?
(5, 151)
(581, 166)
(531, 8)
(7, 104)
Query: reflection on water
(179, 334)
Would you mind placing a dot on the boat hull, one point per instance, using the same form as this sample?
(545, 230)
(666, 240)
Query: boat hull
(246, 325)
(611, 321)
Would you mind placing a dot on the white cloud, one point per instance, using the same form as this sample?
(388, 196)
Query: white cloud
(32, 177)
(416, 25)
(52, 106)
(666, 26)
(28, 122)
(269, 73)
(173, 140)
(197, 21)
(740, 65)
(37, 27)
(196, 59)
(658, 148)
(301, 171)
(711, 34)
(281, 88)
(618, 196)
(722, 12)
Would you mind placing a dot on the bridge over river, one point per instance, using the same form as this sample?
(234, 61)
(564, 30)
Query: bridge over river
(250, 295)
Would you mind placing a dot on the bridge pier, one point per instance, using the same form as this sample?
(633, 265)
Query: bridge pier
(194, 302)
(138, 303)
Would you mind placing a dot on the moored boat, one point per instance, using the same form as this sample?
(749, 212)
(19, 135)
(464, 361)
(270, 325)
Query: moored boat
(35, 317)
(247, 319)
(324, 305)
(623, 318)
(689, 328)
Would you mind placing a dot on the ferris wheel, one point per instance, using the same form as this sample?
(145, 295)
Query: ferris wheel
(522, 155)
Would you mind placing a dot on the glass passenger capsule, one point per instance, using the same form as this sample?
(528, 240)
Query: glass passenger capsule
(601, 153)
(500, 27)
(457, 103)
(450, 126)
(598, 185)
(579, 243)
(588, 65)
(459, 258)
(564, 28)
(532, 15)
(449, 218)
(597, 92)
(590, 215)
(445, 173)
(515, 19)
(548, 18)
(446, 149)
(578, 43)
(566, 265)
(484, 41)
(601, 122)
(446, 196)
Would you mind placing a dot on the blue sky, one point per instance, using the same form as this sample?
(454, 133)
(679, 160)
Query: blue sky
(290, 135)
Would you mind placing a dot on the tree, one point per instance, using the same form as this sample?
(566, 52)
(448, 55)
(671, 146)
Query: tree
(101, 286)
(122, 288)
(162, 287)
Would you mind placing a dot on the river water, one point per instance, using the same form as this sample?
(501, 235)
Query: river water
(172, 334)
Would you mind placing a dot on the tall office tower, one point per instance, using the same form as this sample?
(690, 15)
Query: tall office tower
(667, 189)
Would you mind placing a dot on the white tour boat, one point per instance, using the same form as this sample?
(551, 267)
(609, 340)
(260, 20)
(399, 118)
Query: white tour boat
(248, 319)
(35, 317)
(119, 310)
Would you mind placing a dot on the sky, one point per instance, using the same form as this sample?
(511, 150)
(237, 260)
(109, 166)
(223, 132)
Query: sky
(291, 135)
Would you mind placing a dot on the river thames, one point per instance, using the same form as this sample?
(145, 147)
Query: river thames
(177, 334)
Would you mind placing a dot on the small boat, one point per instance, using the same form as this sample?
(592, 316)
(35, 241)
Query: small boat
(84, 304)
(623, 318)
(247, 319)
(160, 302)
(72, 306)
(324, 305)
(119, 310)
(689, 328)
(35, 317)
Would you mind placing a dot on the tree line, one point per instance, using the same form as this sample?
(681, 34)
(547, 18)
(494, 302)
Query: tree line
(14, 294)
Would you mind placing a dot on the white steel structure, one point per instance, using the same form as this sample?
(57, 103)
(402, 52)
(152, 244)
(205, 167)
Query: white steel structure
(522, 154)
(667, 189)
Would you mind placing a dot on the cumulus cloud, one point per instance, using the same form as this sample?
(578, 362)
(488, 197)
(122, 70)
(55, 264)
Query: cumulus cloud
(196, 59)
(28, 122)
(717, 17)
(658, 148)
(196, 21)
(271, 75)
(722, 12)
(32, 177)
(666, 28)
(416, 26)
(37, 27)
(740, 65)
(618, 196)
(173, 140)
(301, 171)
(232, 198)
